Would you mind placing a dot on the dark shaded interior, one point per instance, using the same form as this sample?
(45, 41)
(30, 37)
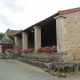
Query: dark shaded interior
(31, 39)
(48, 34)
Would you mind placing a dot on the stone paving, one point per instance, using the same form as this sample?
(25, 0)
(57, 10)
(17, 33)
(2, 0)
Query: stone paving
(15, 70)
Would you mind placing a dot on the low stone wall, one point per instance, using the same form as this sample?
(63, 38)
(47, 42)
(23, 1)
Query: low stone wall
(9, 55)
(35, 63)
(42, 60)
(44, 57)
(42, 64)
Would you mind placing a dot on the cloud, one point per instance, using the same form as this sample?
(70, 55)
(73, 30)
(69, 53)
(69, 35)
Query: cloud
(4, 20)
(20, 14)
(3, 27)
(11, 4)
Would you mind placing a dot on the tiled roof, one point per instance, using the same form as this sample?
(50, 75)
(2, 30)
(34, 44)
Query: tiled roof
(14, 31)
(6, 40)
(47, 20)
(69, 11)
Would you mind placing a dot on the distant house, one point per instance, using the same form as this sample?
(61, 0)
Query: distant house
(14, 31)
(61, 29)
(5, 43)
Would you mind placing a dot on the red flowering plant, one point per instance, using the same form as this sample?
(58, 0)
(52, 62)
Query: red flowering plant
(25, 51)
(47, 49)
(8, 51)
(44, 49)
(39, 50)
(19, 51)
(53, 48)
(30, 50)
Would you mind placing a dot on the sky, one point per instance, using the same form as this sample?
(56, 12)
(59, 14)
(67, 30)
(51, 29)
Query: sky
(20, 14)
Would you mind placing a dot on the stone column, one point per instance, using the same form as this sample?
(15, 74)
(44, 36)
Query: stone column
(0, 48)
(15, 47)
(24, 40)
(18, 43)
(60, 30)
(37, 37)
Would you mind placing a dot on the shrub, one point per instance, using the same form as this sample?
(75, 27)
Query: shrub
(53, 48)
(25, 51)
(29, 50)
(19, 51)
(47, 49)
(44, 49)
(40, 49)
(8, 50)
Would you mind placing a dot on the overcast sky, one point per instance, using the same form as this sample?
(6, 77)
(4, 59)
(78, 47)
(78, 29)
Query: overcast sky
(20, 14)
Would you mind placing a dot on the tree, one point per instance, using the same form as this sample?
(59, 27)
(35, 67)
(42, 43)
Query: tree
(11, 36)
(1, 35)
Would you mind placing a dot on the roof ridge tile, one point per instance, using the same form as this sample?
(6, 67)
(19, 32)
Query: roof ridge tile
(68, 11)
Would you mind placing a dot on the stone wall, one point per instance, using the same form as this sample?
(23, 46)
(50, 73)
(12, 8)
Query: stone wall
(72, 35)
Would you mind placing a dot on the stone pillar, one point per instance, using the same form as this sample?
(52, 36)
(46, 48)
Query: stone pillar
(0, 48)
(37, 37)
(24, 40)
(15, 47)
(18, 43)
(60, 30)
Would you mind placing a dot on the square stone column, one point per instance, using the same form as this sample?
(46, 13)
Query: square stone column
(0, 48)
(60, 31)
(18, 43)
(24, 40)
(37, 37)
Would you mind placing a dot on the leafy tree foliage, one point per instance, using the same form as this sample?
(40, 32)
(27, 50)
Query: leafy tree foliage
(10, 35)
(1, 35)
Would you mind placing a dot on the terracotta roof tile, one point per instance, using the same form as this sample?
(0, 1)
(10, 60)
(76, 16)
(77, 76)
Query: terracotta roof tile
(69, 11)
(15, 31)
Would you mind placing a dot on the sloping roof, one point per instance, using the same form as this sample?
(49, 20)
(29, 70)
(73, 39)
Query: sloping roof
(6, 40)
(39, 23)
(14, 31)
(61, 12)
(69, 11)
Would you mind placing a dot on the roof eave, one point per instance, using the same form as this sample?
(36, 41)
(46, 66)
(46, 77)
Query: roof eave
(39, 23)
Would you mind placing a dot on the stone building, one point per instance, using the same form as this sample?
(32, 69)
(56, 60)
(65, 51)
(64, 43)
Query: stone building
(61, 29)
(5, 43)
